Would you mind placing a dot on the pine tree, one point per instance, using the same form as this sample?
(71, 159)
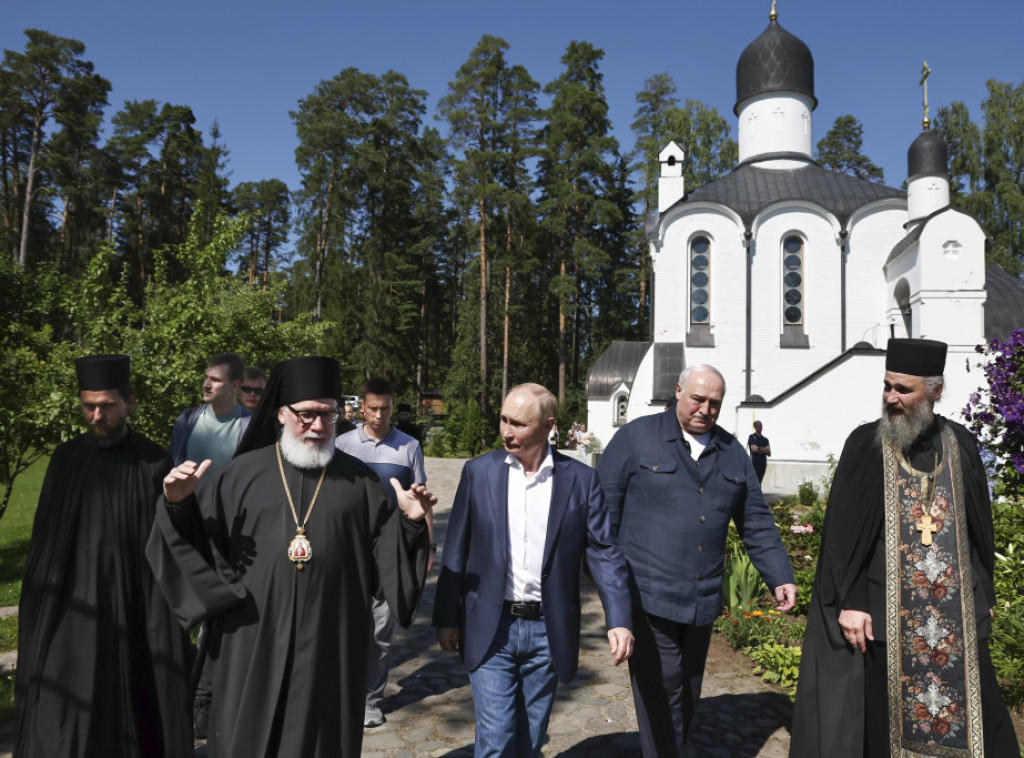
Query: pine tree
(704, 134)
(651, 128)
(392, 160)
(267, 205)
(1002, 200)
(519, 114)
(472, 110)
(840, 150)
(75, 167)
(158, 161)
(48, 77)
(575, 173)
(986, 165)
(491, 110)
(44, 75)
(963, 145)
(435, 255)
(211, 191)
(331, 123)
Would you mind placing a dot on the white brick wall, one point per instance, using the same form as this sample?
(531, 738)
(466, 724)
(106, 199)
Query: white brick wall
(945, 271)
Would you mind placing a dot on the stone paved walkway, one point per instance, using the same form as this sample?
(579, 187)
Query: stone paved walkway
(429, 706)
(430, 709)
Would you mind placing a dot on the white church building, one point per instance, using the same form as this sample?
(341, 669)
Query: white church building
(790, 278)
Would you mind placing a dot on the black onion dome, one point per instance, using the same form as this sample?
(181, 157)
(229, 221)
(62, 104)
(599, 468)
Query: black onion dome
(927, 155)
(777, 61)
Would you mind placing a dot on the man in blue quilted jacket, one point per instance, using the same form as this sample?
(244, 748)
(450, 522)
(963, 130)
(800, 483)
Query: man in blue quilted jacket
(673, 481)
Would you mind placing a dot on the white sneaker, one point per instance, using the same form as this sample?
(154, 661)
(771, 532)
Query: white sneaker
(373, 716)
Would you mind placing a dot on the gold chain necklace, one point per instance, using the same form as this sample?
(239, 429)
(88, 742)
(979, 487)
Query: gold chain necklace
(299, 549)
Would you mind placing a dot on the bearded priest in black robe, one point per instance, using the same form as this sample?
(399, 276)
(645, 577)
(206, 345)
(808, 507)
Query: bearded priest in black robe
(896, 661)
(102, 663)
(296, 535)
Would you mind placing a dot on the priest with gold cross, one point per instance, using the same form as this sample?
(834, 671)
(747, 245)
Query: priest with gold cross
(896, 659)
(294, 537)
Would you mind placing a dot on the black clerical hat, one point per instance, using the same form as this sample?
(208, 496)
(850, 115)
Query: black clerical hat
(916, 357)
(97, 373)
(291, 381)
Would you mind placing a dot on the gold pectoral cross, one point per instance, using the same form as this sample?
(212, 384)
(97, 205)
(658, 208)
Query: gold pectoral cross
(927, 528)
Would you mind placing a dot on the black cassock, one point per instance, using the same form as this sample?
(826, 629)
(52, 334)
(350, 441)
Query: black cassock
(829, 712)
(102, 662)
(290, 645)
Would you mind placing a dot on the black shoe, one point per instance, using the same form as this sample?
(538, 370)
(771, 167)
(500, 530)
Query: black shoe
(201, 721)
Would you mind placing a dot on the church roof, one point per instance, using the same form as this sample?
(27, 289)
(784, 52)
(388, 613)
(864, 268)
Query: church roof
(616, 365)
(915, 234)
(927, 155)
(1004, 306)
(749, 189)
(909, 239)
(776, 61)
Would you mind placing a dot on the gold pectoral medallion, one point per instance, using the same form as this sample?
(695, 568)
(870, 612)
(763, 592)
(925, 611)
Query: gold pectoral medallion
(300, 551)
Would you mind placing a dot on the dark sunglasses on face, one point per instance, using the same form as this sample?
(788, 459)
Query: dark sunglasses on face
(247, 389)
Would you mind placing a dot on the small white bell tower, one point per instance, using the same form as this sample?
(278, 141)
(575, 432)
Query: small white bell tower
(671, 185)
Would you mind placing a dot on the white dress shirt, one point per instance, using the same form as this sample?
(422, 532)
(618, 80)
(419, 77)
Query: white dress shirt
(529, 500)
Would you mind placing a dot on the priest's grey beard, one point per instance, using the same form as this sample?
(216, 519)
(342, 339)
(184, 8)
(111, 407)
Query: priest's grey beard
(307, 452)
(902, 430)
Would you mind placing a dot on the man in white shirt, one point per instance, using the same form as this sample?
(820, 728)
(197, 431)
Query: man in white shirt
(508, 594)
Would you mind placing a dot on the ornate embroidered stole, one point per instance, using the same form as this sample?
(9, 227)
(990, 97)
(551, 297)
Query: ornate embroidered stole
(931, 642)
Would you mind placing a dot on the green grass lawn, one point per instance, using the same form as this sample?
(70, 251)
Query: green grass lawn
(6, 698)
(16, 529)
(15, 532)
(8, 633)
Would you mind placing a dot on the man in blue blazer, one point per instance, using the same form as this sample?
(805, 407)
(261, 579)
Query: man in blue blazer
(673, 482)
(508, 595)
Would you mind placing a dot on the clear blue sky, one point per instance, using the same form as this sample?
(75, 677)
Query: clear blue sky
(247, 64)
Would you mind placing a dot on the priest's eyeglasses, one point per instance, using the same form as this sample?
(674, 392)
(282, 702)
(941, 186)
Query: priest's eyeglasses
(308, 417)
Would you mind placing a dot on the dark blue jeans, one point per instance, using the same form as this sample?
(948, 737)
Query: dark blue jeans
(514, 690)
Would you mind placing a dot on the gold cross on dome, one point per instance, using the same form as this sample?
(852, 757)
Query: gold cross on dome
(925, 71)
(927, 527)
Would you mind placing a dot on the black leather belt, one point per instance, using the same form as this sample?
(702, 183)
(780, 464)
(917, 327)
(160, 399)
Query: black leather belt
(523, 610)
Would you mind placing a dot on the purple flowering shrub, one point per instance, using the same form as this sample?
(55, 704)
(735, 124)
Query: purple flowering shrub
(998, 422)
(998, 419)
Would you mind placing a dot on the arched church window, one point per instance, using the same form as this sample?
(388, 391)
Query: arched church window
(901, 293)
(794, 302)
(699, 334)
(700, 281)
(793, 281)
(621, 409)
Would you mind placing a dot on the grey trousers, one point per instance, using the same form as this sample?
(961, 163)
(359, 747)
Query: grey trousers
(382, 627)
